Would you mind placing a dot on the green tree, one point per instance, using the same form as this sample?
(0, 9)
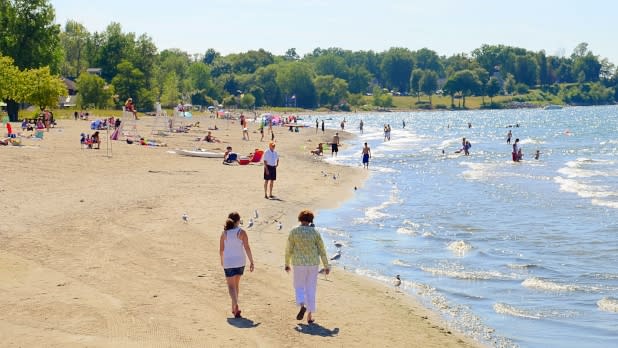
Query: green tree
(396, 67)
(291, 54)
(330, 64)
(129, 82)
(464, 82)
(115, 48)
(429, 83)
(9, 79)
(170, 95)
(247, 101)
(297, 79)
(43, 88)
(358, 79)
(94, 91)
(211, 55)
(493, 88)
(509, 84)
(330, 90)
(415, 82)
(427, 59)
(74, 39)
(29, 35)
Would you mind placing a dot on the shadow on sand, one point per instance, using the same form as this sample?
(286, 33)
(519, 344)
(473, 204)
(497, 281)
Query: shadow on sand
(242, 323)
(316, 330)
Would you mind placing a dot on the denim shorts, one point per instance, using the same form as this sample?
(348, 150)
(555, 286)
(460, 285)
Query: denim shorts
(231, 272)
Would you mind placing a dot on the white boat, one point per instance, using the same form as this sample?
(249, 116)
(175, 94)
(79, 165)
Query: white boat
(552, 107)
(200, 153)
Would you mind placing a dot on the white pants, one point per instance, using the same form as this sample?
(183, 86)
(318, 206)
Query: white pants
(305, 284)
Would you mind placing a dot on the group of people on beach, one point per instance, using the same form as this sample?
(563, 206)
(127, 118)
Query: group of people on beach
(303, 251)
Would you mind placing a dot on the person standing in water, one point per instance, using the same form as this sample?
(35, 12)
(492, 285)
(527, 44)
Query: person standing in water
(366, 156)
(361, 126)
(509, 135)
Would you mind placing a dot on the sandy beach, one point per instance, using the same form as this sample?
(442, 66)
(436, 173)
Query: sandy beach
(93, 250)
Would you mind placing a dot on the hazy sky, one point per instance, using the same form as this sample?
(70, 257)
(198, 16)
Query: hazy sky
(445, 26)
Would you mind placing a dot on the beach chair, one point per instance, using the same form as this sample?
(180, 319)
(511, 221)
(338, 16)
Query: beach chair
(256, 157)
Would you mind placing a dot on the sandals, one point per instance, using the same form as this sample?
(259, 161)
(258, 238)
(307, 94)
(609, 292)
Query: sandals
(301, 313)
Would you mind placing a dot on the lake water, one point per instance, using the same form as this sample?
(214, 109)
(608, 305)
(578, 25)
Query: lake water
(513, 254)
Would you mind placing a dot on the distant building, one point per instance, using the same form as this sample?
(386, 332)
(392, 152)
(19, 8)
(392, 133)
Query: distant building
(94, 71)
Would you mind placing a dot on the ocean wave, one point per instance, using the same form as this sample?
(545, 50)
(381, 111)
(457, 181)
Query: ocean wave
(548, 285)
(469, 275)
(521, 265)
(399, 262)
(605, 203)
(406, 230)
(531, 141)
(376, 213)
(608, 304)
(459, 247)
(502, 308)
(581, 189)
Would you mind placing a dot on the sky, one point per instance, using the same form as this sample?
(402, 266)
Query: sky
(444, 26)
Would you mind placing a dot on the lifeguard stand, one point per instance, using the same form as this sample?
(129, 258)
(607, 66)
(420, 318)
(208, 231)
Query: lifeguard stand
(128, 126)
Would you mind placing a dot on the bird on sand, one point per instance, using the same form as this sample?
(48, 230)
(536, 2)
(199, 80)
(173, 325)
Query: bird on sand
(185, 218)
(397, 280)
(255, 214)
(337, 244)
(337, 256)
(250, 223)
(279, 225)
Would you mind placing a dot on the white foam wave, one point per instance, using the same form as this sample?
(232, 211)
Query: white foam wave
(604, 203)
(406, 230)
(521, 266)
(470, 275)
(581, 189)
(460, 247)
(502, 308)
(547, 285)
(531, 141)
(428, 234)
(608, 304)
(383, 169)
(373, 214)
(399, 262)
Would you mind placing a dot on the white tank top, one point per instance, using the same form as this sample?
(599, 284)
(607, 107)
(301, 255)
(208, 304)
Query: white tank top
(233, 249)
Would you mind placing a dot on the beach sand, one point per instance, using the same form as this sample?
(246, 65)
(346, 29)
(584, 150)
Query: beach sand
(93, 250)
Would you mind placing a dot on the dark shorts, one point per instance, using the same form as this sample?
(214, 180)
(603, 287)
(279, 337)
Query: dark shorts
(365, 158)
(231, 272)
(272, 173)
(335, 147)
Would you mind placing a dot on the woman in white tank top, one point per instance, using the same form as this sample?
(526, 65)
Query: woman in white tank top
(233, 245)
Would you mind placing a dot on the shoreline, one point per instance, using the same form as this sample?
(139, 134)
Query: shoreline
(95, 252)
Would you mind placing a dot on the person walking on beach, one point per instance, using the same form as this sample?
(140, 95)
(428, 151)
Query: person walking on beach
(304, 249)
(335, 145)
(366, 156)
(233, 245)
(317, 125)
(509, 135)
(322, 126)
(361, 126)
(271, 162)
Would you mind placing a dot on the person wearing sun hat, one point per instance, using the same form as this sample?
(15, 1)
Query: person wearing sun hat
(271, 162)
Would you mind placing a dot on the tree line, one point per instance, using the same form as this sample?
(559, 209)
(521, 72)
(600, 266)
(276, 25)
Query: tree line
(132, 66)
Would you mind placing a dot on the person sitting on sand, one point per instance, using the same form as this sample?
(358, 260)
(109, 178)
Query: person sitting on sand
(318, 150)
(211, 139)
(229, 156)
(94, 139)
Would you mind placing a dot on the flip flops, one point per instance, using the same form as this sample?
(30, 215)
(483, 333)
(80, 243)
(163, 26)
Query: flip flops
(301, 313)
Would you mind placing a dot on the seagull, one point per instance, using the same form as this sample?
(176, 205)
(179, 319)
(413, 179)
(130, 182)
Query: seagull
(337, 256)
(255, 214)
(397, 280)
(338, 245)
(250, 223)
(185, 218)
(279, 225)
